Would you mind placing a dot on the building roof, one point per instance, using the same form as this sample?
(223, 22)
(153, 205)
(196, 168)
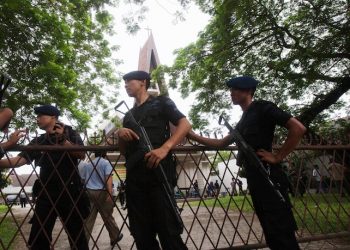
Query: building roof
(26, 180)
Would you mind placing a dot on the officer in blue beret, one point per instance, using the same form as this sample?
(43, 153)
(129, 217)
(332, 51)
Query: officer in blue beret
(60, 179)
(47, 110)
(152, 220)
(242, 82)
(257, 127)
(138, 75)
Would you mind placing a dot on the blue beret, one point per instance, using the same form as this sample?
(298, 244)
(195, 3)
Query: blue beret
(47, 110)
(137, 75)
(242, 82)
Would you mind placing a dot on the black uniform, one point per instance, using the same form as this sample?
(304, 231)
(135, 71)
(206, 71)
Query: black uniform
(149, 211)
(257, 126)
(58, 169)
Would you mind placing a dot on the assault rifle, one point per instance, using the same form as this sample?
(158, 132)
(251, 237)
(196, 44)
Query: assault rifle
(159, 170)
(250, 155)
(5, 81)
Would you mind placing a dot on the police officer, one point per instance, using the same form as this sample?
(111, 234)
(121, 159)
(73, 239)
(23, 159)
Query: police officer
(149, 211)
(59, 181)
(257, 126)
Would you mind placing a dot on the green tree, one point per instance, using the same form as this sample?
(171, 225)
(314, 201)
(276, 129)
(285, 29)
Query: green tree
(4, 182)
(299, 50)
(57, 52)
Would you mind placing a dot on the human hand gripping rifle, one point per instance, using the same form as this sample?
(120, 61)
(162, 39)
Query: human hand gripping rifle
(250, 155)
(159, 170)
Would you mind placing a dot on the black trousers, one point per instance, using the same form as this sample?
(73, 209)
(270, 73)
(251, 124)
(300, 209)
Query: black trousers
(23, 202)
(278, 239)
(45, 215)
(150, 215)
(278, 224)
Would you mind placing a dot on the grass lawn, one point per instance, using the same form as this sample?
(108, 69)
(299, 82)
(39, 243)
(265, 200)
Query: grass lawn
(316, 213)
(241, 202)
(322, 213)
(7, 228)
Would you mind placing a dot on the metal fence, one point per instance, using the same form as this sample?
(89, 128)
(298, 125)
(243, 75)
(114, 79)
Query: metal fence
(219, 217)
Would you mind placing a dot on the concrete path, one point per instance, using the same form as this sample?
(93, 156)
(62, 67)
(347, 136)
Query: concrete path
(202, 232)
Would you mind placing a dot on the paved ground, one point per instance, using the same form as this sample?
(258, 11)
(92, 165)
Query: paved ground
(203, 235)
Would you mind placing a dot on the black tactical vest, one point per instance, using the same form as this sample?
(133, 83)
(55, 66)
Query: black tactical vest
(149, 115)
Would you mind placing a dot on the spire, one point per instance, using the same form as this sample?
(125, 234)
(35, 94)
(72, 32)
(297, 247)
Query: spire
(149, 60)
(148, 56)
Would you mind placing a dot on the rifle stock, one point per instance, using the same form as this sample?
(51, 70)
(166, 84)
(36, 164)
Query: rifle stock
(250, 155)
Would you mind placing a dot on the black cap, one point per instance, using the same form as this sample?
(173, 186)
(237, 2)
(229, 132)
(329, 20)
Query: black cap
(242, 82)
(47, 110)
(137, 75)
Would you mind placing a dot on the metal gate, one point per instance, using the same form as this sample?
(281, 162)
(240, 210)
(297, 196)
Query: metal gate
(215, 216)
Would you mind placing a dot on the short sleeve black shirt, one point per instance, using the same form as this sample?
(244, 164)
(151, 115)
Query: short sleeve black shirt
(258, 123)
(257, 127)
(154, 115)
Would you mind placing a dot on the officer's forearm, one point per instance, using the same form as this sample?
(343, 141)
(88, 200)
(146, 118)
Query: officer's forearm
(296, 131)
(12, 162)
(211, 142)
(8, 144)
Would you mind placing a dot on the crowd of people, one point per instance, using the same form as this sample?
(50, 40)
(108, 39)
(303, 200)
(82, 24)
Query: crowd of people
(153, 215)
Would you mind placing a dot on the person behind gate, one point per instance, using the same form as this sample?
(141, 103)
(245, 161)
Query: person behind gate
(257, 127)
(97, 176)
(59, 181)
(149, 212)
(121, 194)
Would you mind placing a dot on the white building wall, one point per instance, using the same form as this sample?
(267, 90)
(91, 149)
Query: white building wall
(226, 177)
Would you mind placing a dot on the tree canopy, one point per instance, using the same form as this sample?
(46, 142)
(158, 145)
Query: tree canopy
(56, 52)
(298, 50)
